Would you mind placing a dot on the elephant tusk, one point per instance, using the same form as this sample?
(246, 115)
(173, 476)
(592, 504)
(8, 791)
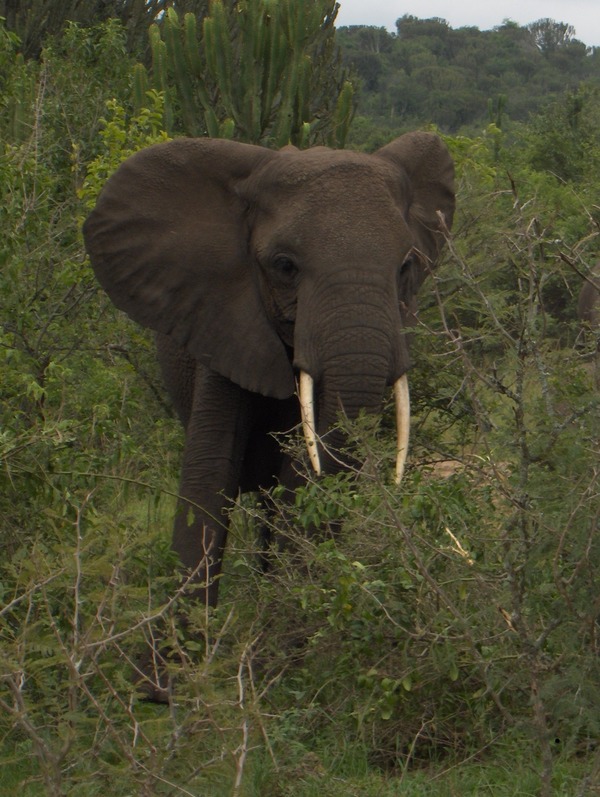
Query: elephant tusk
(402, 397)
(307, 410)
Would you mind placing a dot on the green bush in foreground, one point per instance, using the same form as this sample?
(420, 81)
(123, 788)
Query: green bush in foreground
(445, 621)
(423, 642)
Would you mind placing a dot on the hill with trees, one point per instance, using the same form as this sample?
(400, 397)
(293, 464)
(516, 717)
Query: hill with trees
(458, 78)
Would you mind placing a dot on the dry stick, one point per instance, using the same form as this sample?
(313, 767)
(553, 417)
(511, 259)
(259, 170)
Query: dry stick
(592, 780)
(80, 681)
(29, 592)
(585, 277)
(146, 485)
(110, 595)
(157, 615)
(411, 750)
(44, 754)
(243, 747)
(527, 350)
(584, 497)
(75, 654)
(517, 501)
(470, 370)
(137, 731)
(470, 757)
(256, 698)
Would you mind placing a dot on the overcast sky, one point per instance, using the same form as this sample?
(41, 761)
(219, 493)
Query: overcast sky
(583, 15)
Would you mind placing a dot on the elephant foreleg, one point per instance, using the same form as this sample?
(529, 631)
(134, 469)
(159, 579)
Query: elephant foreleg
(216, 438)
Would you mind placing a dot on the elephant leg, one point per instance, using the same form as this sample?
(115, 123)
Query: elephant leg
(178, 371)
(216, 438)
(266, 465)
(219, 416)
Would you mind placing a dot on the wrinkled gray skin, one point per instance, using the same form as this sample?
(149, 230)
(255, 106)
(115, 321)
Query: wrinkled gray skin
(588, 310)
(588, 305)
(252, 264)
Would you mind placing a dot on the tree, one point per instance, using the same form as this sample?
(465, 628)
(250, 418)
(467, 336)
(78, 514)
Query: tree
(507, 60)
(36, 21)
(563, 138)
(549, 35)
(259, 72)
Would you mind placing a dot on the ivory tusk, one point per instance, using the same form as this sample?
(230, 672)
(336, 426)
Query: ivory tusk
(402, 397)
(307, 410)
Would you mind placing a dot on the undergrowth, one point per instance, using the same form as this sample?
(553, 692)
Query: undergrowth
(437, 639)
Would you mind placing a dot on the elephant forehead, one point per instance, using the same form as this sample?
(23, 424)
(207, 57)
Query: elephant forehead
(324, 215)
(338, 193)
(338, 202)
(299, 172)
(327, 243)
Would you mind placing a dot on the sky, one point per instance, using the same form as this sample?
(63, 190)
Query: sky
(583, 15)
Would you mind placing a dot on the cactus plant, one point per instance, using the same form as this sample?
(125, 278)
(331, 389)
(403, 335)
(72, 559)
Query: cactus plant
(20, 105)
(261, 71)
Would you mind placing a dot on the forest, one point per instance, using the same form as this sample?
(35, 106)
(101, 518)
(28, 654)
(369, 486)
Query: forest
(446, 640)
(459, 78)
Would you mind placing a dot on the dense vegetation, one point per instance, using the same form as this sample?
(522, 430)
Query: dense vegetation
(458, 78)
(448, 641)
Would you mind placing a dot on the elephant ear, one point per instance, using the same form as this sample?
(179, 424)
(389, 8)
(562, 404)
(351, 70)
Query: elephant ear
(424, 159)
(168, 241)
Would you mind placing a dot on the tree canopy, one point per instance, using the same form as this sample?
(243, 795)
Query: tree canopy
(428, 71)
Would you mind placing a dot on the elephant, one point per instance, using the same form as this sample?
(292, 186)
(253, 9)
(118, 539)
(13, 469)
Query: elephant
(280, 285)
(588, 303)
(588, 311)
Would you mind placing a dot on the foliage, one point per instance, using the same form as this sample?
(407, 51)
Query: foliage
(56, 104)
(259, 72)
(563, 138)
(430, 72)
(36, 21)
(433, 633)
(549, 35)
(58, 398)
(122, 136)
(16, 86)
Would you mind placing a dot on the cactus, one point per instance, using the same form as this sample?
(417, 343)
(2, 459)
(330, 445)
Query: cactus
(497, 110)
(196, 71)
(342, 117)
(179, 68)
(140, 88)
(218, 50)
(160, 74)
(20, 110)
(263, 71)
(226, 129)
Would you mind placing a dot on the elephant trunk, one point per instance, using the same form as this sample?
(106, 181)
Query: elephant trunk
(349, 384)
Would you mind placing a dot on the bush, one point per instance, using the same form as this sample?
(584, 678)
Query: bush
(443, 623)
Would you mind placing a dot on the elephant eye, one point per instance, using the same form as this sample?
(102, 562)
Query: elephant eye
(284, 266)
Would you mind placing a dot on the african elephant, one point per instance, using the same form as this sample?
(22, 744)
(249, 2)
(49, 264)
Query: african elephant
(588, 304)
(588, 310)
(280, 284)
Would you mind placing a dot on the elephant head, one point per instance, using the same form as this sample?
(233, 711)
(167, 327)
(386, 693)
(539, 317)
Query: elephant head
(270, 268)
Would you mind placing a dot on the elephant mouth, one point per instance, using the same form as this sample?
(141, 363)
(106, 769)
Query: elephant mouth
(306, 390)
